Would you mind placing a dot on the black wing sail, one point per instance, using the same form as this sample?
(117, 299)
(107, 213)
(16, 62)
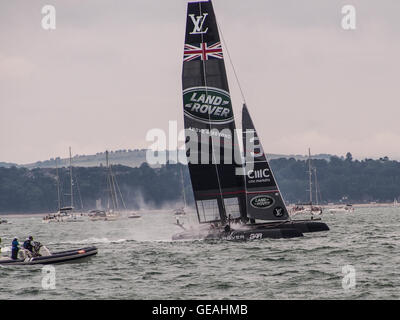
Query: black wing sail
(264, 200)
(208, 116)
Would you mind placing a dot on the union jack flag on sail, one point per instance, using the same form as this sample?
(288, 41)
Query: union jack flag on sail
(203, 52)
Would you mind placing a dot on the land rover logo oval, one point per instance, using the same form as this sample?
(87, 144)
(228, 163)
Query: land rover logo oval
(207, 104)
(262, 202)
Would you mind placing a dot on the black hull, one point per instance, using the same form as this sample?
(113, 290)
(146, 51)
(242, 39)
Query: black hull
(304, 226)
(70, 256)
(273, 233)
(290, 229)
(249, 234)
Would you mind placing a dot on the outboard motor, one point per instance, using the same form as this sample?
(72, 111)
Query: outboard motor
(40, 250)
(36, 248)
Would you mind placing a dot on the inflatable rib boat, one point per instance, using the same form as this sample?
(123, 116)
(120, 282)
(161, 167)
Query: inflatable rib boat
(76, 255)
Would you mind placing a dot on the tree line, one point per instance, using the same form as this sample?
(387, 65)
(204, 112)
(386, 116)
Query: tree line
(343, 180)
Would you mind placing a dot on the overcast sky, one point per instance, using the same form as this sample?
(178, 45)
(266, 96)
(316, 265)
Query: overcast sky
(112, 70)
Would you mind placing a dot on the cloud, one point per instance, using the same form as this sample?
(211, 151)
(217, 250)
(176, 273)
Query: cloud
(15, 68)
(111, 71)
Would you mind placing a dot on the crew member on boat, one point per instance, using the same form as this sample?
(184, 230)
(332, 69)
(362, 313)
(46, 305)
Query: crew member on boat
(14, 249)
(28, 244)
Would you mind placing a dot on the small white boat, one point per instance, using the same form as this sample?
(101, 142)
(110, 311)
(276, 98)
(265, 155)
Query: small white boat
(65, 214)
(111, 217)
(179, 212)
(134, 215)
(101, 215)
(342, 209)
(51, 218)
(314, 210)
(97, 215)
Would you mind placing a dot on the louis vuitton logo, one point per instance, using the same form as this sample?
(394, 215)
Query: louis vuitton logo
(198, 23)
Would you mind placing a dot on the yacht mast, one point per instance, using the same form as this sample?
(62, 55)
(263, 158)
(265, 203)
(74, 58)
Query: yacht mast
(316, 187)
(111, 184)
(114, 189)
(58, 187)
(70, 173)
(310, 175)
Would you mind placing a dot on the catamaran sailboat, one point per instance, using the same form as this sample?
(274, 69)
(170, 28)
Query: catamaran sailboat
(234, 201)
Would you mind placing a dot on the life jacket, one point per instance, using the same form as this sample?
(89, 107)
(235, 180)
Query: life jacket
(15, 244)
(28, 245)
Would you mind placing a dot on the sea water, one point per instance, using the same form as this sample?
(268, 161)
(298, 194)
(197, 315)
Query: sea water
(358, 258)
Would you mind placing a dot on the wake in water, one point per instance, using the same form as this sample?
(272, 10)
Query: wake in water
(91, 241)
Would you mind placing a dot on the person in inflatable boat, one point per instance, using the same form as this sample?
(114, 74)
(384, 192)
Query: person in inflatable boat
(14, 249)
(28, 245)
